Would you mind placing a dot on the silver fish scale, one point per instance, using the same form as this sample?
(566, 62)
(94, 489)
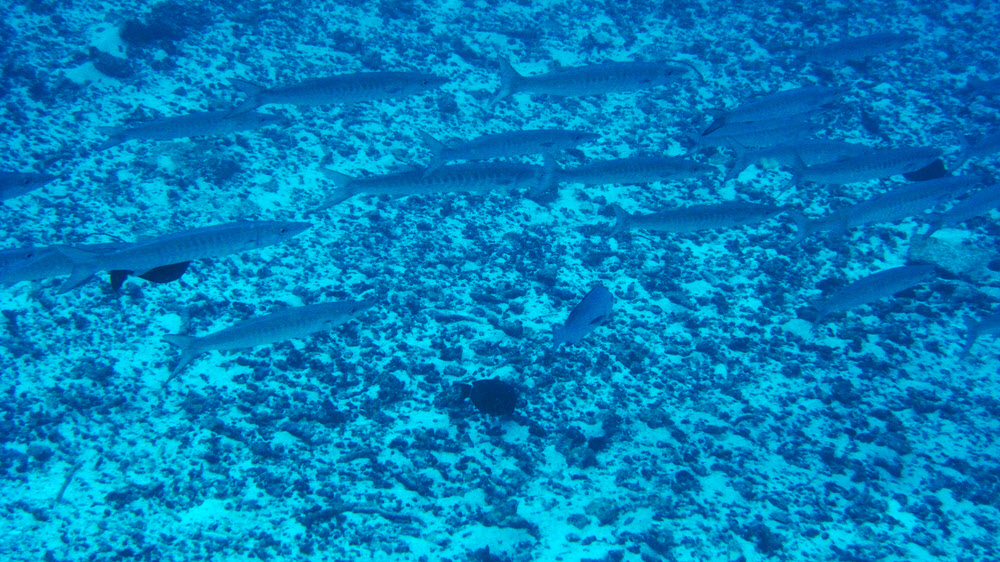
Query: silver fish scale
(781, 104)
(513, 143)
(287, 324)
(600, 78)
(872, 165)
(704, 217)
(634, 170)
(904, 201)
(857, 48)
(874, 287)
(207, 242)
(459, 177)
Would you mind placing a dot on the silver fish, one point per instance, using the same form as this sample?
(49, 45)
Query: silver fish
(979, 203)
(758, 134)
(588, 80)
(897, 204)
(875, 164)
(502, 145)
(474, 177)
(189, 245)
(593, 311)
(15, 184)
(858, 48)
(636, 169)
(777, 105)
(696, 217)
(199, 124)
(291, 323)
(872, 288)
(811, 152)
(341, 89)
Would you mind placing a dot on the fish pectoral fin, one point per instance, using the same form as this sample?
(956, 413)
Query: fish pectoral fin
(599, 320)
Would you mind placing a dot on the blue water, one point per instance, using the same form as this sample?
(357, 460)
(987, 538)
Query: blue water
(706, 419)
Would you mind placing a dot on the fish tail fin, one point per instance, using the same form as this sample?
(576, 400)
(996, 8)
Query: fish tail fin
(437, 149)
(186, 345)
(342, 188)
(84, 266)
(254, 93)
(623, 220)
(971, 335)
(509, 79)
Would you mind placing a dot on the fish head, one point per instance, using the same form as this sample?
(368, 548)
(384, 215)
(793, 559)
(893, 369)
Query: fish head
(273, 232)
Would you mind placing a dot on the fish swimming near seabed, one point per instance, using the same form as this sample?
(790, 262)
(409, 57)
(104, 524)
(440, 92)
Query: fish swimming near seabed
(339, 89)
(696, 217)
(503, 145)
(778, 105)
(874, 164)
(593, 311)
(757, 134)
(904, 201)
(179, 247)
(290, 323)
(858, 48)
(589, 80)
(199, 124)
(477, 177)
(874, 287)
(15, 184)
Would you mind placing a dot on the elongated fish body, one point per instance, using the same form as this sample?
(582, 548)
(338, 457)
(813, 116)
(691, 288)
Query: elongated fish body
(502, 145)
(43, 262)
(794, 154)
(989, 326)
(778, 105)
(858, 48)
(291, 323)
(637, 169)
(15, 184)
(588, 80)
(874, 287)
(199, 124)
(696, 217)
(874, 164)
(473, 177)
(340, 89)
(189, 245)
(897, 204)
(757, 134)
(593, 311)
(979, 203)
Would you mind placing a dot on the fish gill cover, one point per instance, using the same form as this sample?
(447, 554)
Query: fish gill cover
(707, 421)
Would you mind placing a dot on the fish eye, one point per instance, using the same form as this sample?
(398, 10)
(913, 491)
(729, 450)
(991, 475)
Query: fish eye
(283, 230)
(27, 181)
(29, 255)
